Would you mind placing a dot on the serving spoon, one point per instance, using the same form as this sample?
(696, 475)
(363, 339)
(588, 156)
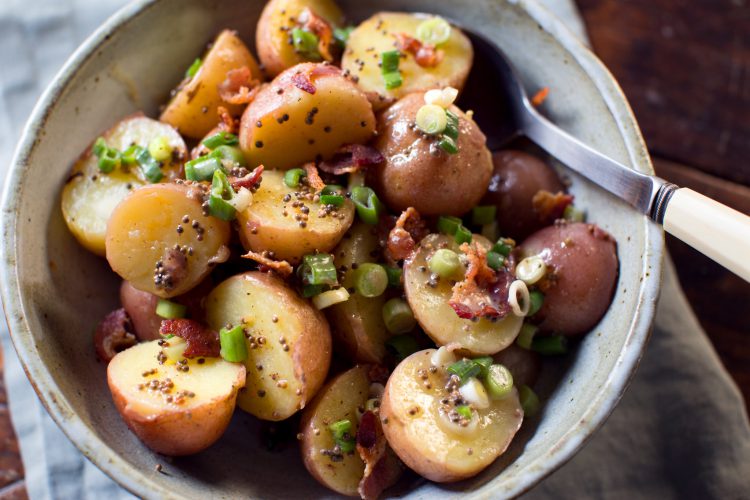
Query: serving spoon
(715, 230)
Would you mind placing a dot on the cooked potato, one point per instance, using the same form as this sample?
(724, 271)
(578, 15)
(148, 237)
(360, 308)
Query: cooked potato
(289, 343)
(178, 418)
(582, 259)
(377, 35)
(193, 109)
(340, 399)
(141, 308)
(437, 317)
(417, 173)
(357, 324)
(269, 222)
(286, 126)
(279, 18)
(418, 428)
(524, 364)
(90, 196)
(516, 178)
(161, 242)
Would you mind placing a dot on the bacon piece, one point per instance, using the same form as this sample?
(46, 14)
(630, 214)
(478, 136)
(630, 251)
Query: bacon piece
(351, 158)
(313, 177)
(483, 293)
(249, 181)
(550, 207)
(303, 80)
(382, 467)
(282, 267)
(201, 340)
(114, 334)
(426, 55)
(239, 87)
(540, 97)
(405, 235)
(319, 27)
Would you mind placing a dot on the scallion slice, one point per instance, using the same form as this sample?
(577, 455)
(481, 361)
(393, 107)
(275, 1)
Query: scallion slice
(230, 153)
(305, 44)
(370, 280)
(401, 346)
(170, 310)
(160, 149)
(550, 346)
(341, 35)
(193, 69)
(446, 264)
(464, 411)
(462, 235)
(529, 401)
(233, 346)
(202, 168)
(503, 247)
(149, 166)
(109, 159)
(431, 119)
(465, 369)
(434, 31)
(536, 299)
(343, 435)
(394, 275)
(220, 139)
(389, 62)
(319, 269)
(330, 297)
(309, 291)
(99, 147)
(447, 224)
(498, 381)
(448, 145)
(573, 214)
(451, 128)
(398, 316)
(330, 195)
(495, 260)
(484, 364)
(130, 155)
(219, 205)
(526, 336)
(483, 214)
(293, 176)
(368, 205)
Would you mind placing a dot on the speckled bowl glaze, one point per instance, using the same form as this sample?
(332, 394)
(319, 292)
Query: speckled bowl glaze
(54, 292)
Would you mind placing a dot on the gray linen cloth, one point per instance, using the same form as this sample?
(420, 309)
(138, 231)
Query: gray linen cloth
(680, 431)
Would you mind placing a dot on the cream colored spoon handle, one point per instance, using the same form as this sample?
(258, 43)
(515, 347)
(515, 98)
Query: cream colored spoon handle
(715, 230)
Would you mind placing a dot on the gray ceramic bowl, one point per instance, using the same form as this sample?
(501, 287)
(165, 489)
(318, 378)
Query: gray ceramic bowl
(54, 292)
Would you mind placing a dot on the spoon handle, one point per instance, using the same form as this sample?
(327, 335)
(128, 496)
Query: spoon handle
(713, 229)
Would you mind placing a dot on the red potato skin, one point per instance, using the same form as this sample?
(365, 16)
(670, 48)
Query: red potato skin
(582, 275)
(516, 177)
(523, 364)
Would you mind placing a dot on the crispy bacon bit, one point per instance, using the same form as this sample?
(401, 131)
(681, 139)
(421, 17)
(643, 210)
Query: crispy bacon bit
(313, 177)
(282, 267)
(484, 292)
(249, 181)
(405, 235)
(318, 26)
(239, 87)
(426, 55)
(550, 207)
(351, 158)
(114, 334)
(540, 97)
(303, 80)
(382, 467)
(227, 122)
(201, 340)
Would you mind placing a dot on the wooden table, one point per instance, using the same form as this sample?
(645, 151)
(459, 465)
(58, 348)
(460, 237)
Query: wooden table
(685, 67)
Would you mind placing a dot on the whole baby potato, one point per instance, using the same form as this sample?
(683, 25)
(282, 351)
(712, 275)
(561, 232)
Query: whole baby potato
(417, 173)
(308, 111)
(582, 274)
(516, 178)
(273, 35)
(523, 364)
(141, 308)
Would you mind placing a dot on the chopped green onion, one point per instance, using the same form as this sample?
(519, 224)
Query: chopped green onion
(330, 297)
(233, 346)
(219, 205)
(434, 31)
(451, 128)
(319, 269)
(221, 138)
(394, 275)
(447, 224)
(130, 155)
(498, 382)
(293, 176)
(370, 280)
(149, 166)
(464, 411)
(503, 247)
(401, 346)
(495, 260)
(332, 199)
(230, 153)
(398, 316)
(332, 189)
(484, 364)
(431, 119)
(462, 235)
(109, 159)
(312, 290)
(526, 336)
(99, 147)
(343, 435)
(392, 80)
(368, 205)
(446, 264)
(202, 168)
(465, 369)
(170, 310)
(448, 145)
(389, 62)
(193, 69)
(160, 149)
(529, 401)
(489, 231)
(484, 214)
(536, 299)
(341, 35)
(305, 43)
(550, 346)
(573, 214)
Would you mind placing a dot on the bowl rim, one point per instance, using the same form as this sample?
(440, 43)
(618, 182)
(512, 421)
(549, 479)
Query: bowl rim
(133, 479)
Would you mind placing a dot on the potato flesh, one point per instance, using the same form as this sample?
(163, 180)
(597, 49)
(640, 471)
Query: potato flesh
(90, 196)
(279, 380)
(143, 230)
(358, 322)
(194, 108)
(376, 35)
(339, 400)
(291, 133)
(277, 20)
(438, 319)
(263, 225)
(411, 408)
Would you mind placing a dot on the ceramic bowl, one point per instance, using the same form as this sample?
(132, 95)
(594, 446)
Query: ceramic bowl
(54, 292)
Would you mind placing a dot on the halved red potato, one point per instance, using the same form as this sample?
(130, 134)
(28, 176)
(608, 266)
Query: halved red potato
(174, 411)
